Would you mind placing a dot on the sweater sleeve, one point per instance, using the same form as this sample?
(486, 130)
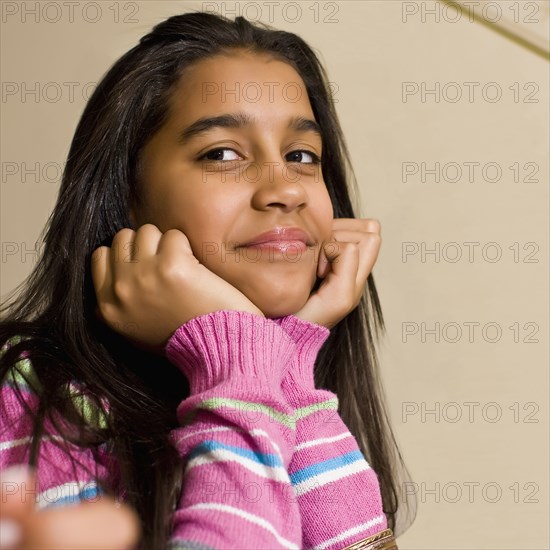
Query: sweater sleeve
(236, 434)
(338, 492)
(65, 474)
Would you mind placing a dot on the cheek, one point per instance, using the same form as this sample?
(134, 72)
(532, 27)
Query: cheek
(325, 215)
(207, 230)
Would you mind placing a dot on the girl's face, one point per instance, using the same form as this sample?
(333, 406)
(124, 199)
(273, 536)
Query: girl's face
(236, 158)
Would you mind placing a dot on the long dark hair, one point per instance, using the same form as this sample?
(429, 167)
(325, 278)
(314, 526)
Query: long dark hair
(54, 311)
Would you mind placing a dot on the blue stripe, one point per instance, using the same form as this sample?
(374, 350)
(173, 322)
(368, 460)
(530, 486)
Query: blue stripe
(180, 544)
(87, 493)
(325, 466)
(267, 459)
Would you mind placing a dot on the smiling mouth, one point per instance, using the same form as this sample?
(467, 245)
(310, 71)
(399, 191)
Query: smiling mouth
(279, 245)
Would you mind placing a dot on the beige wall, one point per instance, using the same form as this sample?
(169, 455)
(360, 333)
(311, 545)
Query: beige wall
(370, 49)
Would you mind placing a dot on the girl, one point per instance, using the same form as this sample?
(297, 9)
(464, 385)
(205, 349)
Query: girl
(196, 340)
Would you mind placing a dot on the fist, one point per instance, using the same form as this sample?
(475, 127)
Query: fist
(345, 263)
(149, 283)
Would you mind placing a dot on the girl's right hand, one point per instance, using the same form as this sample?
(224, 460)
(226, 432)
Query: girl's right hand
(149, 283)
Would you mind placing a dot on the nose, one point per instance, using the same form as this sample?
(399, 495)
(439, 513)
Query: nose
(278, 186)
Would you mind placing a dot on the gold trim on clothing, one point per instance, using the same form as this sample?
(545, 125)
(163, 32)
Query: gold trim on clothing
(380, 541)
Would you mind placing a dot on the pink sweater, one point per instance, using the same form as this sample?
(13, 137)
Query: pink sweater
(269, 463)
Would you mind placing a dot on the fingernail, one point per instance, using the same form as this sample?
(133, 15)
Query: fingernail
(10, 534)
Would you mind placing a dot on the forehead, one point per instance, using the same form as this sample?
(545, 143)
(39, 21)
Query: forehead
(256, 83)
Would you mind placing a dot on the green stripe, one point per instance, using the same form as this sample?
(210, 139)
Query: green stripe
(251, 407)
(22, 373)
(329, 404)
(92, 414)
(214, 403)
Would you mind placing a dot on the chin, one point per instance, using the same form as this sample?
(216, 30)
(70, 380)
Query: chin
(281, 308)
(281, 298)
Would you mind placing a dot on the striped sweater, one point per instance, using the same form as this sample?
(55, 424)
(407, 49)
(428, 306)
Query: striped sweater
(268, 462)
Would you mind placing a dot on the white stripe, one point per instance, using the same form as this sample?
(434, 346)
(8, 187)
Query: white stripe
(255, 431)
(330, 476)
(17, 442)
(350, 532)
(321, 441)
(246, 515)
(71, 489)
(14, 443)
(276, 473)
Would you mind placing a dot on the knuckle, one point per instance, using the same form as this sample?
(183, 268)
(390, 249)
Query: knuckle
(125, 231)
(121, 235)
(121, 291)
(106, 311)
(173, 231)
(374, 225)
(169, 270)
(374, 237)
(149, 227)
(176, 234)
(97, 254)
(131, 249)
(352, 248)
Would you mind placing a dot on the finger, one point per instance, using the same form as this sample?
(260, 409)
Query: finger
(11, 533)
(341, 235)
(18, 488)
(122, 249)
(344, 262)
(363, 225)
(369, 225)
(146, 242)
(98, 525)
(322, 264)
(369, 246)
(101, 270)
(173, 242)
(18, 498)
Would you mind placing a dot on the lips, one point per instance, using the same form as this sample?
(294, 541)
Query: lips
(279, 235)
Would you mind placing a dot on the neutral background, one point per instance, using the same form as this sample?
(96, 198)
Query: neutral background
(465, 361)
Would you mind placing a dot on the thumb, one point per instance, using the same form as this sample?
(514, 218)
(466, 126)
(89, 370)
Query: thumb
(101, 525)
(18, 489)
(18, 499)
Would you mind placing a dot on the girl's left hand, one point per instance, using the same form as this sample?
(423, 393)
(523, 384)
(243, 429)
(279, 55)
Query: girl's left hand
(345, 263)
(100, 525)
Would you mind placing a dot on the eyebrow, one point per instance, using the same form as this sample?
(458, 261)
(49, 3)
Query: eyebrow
(239, 120)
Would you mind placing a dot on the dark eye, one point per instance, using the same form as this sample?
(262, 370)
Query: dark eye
(302, 156)
(218, 154)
